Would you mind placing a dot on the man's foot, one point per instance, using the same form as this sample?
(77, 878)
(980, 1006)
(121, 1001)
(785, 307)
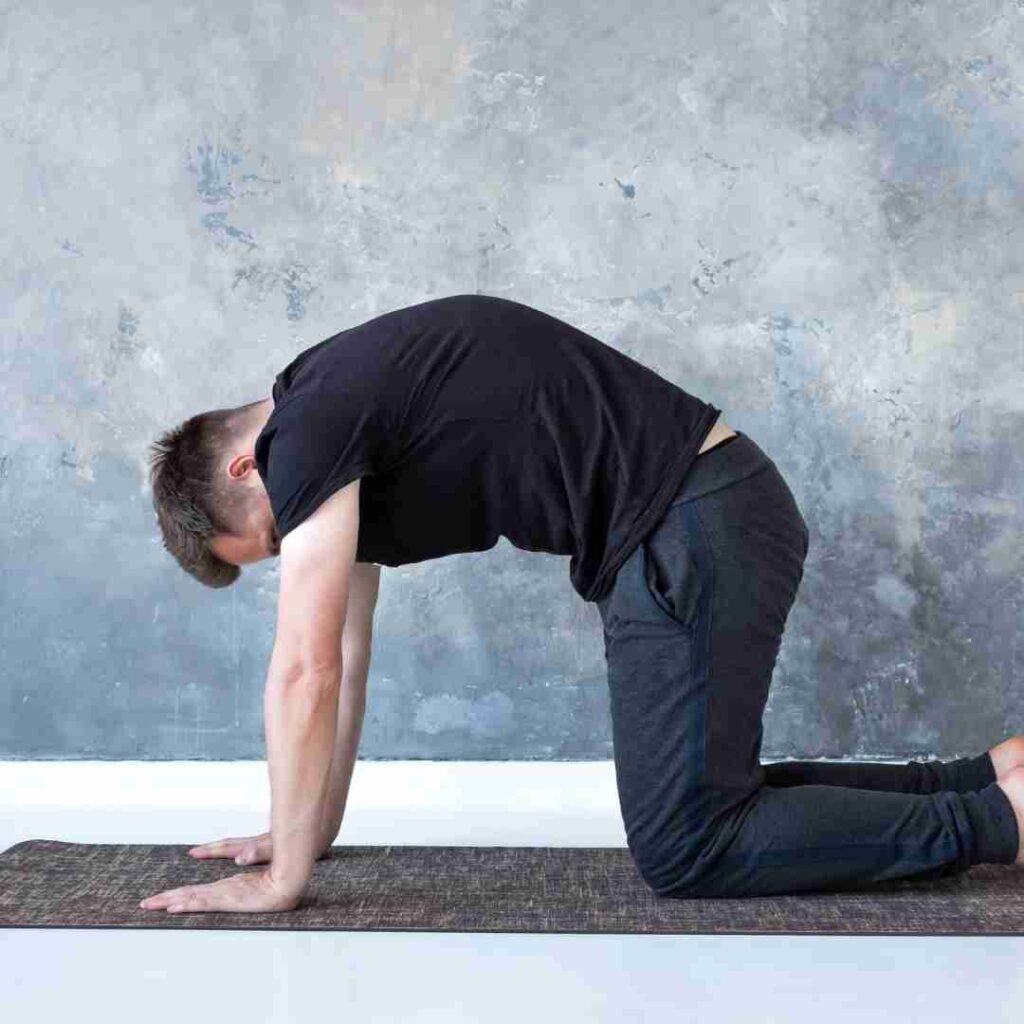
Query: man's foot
(1007, 755)
(1012, 784)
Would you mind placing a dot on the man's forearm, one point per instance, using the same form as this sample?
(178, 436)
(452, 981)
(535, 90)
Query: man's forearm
(356, 649)
(300, 711)
(351, 709)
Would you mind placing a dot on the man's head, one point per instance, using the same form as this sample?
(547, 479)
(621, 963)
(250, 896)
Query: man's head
(210, 502)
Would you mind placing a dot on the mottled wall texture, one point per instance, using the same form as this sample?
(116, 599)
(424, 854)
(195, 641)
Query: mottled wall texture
(806, 212)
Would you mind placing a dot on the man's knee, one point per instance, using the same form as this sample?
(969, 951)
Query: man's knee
(692, 865)
(694, 881)
(681, 871)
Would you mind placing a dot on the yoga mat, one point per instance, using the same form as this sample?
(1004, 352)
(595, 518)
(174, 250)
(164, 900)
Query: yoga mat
(49, 884)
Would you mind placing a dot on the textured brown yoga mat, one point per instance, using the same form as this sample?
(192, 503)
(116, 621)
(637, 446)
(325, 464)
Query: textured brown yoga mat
(50, 884)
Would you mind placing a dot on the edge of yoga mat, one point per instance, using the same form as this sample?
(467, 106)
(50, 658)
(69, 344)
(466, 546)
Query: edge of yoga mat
(613, 876)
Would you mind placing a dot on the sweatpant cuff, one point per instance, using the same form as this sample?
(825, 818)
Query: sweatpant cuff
(996, 836)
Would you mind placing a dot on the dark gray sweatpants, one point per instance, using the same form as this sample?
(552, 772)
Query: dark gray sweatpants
(692, 628)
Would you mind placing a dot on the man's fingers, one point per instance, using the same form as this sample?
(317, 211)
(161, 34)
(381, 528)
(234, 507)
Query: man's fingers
(190, 901)
(251, 892)
(208, 849)
(243, 849)
(163, 899)
(190, 898)
(218, 848)
(187, 897)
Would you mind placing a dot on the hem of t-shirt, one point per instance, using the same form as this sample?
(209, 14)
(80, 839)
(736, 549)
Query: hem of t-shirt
(329, 489)
(671, 482)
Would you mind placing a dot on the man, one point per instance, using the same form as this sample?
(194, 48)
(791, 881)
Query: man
(440, 427)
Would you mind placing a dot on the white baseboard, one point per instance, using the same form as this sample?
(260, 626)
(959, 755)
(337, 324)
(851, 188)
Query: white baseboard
(398, 803)
(436, 803)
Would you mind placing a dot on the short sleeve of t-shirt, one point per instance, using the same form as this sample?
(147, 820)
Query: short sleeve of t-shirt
(317, 442)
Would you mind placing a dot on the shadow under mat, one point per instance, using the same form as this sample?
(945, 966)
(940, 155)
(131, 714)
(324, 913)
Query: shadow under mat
(49, 884)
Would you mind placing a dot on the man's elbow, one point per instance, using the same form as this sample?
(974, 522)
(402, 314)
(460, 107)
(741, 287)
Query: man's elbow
(302, 668)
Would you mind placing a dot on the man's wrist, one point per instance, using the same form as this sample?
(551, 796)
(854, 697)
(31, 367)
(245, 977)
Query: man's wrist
(292, 859)
(292, 882)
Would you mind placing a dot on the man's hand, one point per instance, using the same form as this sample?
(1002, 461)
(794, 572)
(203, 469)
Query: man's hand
(253, 892)
(245, 850)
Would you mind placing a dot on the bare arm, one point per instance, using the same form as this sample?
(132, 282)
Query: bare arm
(302, 695)
(356, 645)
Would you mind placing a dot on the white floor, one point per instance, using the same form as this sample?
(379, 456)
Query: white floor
(161, 976)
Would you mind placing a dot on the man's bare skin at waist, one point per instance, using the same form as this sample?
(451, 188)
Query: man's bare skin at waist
(718, 433)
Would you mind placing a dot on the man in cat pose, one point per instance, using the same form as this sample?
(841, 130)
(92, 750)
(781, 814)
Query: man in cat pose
(440, 427)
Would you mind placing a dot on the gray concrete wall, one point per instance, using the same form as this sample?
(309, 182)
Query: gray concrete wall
(808, 213)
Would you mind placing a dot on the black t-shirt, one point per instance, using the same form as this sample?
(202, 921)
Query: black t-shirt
(473, 417)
